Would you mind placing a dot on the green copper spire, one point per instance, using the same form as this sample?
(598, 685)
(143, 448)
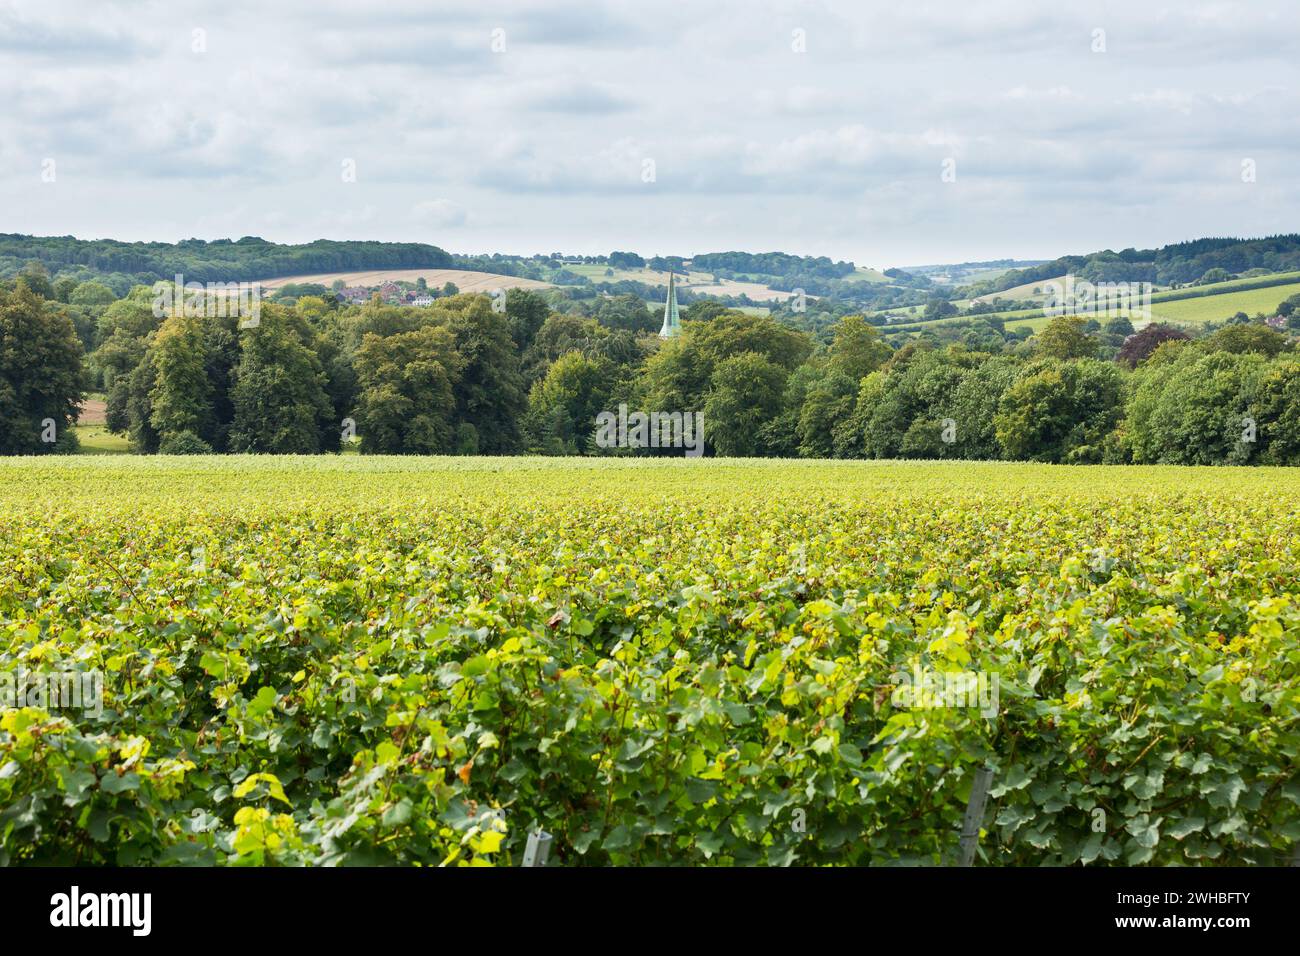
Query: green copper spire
(672, 321)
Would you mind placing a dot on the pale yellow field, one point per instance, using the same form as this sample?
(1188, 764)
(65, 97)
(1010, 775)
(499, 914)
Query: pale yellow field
(701, 282)
(464, 280)
(1036, 291)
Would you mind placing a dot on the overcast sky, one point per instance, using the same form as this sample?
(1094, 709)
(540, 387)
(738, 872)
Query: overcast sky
(813, 128)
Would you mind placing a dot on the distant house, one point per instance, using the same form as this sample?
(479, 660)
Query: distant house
(1275, 322)
(422, 300)
(390, 290)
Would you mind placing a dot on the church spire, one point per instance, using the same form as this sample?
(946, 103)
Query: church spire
(672, 321)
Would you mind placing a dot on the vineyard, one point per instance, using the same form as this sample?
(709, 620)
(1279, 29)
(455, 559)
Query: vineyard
(347, 660)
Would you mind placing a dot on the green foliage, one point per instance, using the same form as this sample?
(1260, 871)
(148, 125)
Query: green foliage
(40, 372)
(279, 400)
(843, 392)
(902, 407)
(489, 392)
(329, 661)
(180, 396)
(183, 443)
(856, 348)
(246, 259)
(1066, 338)
(406, 401)
(1197, 408)
(562, 407)
(526, 312)
(744, 396)
(1061, 411)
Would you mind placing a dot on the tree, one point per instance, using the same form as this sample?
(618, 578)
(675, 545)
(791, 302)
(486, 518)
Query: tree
(184, 443)
(939, 308)
(975, 404)
(706, 310)
(313, 308)
(1276, 407)
(37, 278)
(1119, 326)
(526, 312)
(782, 436)
(1194, 409)
(92, 295)
(626, 260)
(123, 332)
(829, 402)
(901, 408)
(40, 372)
(1139, 347)
(407, 403)
(734, 333)
(562, 407)
(490, 393)
(137, 388)
(279, 399)
(181, 395)
(675, 378)
(1287, 307)
(1066, 338)
(1061, 411)
(560, 333)
(63, 288)
(1241, 339)
(856, 349)
(627, 312)
(744, 395)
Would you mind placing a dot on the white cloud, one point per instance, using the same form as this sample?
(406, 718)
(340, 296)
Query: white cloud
(439, 212)
(833, 151)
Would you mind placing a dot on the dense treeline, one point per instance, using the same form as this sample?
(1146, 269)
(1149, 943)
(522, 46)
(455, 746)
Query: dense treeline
(221, 260)
(1172, 265)
(470, 376)
(775, 264)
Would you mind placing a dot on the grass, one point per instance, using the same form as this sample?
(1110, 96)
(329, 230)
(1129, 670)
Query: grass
(983, 275)
(1216, 308)
(98, 440)
(1194, 305)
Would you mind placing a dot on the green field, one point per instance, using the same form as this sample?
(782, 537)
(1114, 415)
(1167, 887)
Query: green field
(1212, 303)
(1218, 308)
(417, 660)
(98, 440)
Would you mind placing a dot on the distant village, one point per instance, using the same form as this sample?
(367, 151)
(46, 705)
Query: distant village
(394, 293)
